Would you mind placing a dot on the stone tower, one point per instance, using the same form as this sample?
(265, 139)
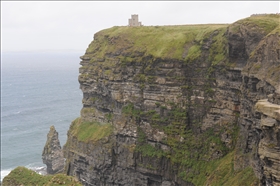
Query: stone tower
(134, 21)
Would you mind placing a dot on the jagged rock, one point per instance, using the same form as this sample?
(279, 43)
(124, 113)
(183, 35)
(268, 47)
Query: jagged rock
(52, 154)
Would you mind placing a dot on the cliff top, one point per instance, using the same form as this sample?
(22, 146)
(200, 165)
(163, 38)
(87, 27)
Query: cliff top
(158, 41)
(173, 42)
(265, 22)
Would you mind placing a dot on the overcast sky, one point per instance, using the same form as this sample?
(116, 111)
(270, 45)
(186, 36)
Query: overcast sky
(70, 25)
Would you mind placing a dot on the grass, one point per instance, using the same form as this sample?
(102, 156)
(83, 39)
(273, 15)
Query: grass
(159, 42)
(191, 159)
(221, 172)
(90, 131)
(193, 53)
(276, 30)
(24, 176)
(265, 23)
(109, 116)
(183, 42)
(218, 50)
(130, 110)
(265, 69)
(189, 150)
(149, 150)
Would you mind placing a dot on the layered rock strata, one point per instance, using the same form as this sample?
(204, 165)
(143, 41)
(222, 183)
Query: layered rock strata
(180, 105)
(269, 147)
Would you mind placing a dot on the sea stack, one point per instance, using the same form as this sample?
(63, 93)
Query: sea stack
(52, 154)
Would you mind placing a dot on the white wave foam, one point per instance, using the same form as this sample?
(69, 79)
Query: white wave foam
(37, 167)
(42, 170)
(4, 173)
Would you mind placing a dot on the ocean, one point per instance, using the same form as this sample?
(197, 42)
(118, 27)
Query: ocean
(38, 90)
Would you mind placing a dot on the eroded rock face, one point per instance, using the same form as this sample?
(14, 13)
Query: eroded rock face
(269, 145)
(193, 110)
(52, 154)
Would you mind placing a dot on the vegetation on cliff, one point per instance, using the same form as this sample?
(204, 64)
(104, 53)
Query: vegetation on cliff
(24, 176)
(90, 131)
(191, 153)
(265, 23)
(262, 67)
(171, 42)
(194, 130)
(194, 127)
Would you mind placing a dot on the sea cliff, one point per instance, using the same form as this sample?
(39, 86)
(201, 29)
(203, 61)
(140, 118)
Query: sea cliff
(179, 105)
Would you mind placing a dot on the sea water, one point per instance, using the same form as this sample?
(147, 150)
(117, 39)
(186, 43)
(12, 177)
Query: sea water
(38, 90)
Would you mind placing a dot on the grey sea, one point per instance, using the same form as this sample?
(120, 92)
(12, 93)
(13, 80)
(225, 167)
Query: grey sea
(37, 90)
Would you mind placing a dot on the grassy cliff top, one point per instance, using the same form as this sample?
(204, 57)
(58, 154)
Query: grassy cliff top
(264, 59)
(263, 22)
(171, 42)
(158, 41)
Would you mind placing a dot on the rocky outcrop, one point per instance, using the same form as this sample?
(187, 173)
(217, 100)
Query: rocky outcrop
(269, 145)
(180, 105)
(52, 154)
(260, 99)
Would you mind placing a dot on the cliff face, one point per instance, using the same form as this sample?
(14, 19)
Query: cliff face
(180, 105)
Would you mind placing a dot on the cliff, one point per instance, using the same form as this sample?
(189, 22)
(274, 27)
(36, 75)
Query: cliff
(175, 105)
(179, 105)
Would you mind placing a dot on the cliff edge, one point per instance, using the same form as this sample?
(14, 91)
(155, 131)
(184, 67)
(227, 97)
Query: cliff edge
(176, 105)
(179, 105)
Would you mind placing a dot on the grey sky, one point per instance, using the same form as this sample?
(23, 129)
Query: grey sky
(70, 25)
